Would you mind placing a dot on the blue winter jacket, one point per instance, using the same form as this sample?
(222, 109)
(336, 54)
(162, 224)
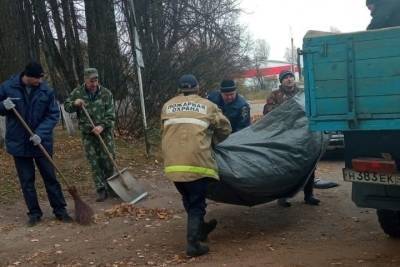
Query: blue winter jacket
(238, 111)
(40, 111)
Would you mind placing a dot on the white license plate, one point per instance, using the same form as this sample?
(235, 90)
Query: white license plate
(371, 177)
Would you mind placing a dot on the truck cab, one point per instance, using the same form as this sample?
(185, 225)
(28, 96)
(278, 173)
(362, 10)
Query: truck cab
(352, 85)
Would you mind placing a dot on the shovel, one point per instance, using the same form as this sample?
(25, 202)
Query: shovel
(123, 183)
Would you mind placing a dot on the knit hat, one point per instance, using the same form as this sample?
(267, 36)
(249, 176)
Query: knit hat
(284, 74)
(34, 70)
(227, 86)
(187, 81)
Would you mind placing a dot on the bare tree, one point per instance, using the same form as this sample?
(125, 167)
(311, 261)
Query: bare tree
(54, 22)
(260, 59)
(291, 55)
(189, 36)
(103, 47)
(177, 37)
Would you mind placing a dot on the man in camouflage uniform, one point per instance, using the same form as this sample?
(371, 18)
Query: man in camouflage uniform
(287, 90)
(385, 13)
(99, 103)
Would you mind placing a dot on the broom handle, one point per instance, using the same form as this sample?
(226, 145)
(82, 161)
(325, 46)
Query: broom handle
(101, 140)
(41, 147)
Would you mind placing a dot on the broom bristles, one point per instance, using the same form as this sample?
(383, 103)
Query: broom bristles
(83, 212)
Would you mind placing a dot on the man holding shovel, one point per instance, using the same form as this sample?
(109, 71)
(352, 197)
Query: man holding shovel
(35, 101)
(190, 126)
(99, 103)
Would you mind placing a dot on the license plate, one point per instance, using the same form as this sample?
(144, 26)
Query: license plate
(371, 177)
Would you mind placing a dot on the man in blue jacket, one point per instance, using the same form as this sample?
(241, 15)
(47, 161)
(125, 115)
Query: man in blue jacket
(36, 103)
(233, 105)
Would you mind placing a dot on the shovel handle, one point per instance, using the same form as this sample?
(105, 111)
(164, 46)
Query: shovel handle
(41, 147)
(101, 140)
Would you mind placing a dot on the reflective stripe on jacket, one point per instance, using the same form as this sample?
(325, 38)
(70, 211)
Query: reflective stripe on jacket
(191, 125)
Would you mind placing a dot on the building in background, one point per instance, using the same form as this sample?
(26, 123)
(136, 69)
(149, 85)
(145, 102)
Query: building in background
(267, 76)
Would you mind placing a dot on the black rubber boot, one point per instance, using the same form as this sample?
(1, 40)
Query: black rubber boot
(206, 229)
(194, 247)
(101, 195)
(309, 192)
(65, 218)
(33, 220)
(311, 200)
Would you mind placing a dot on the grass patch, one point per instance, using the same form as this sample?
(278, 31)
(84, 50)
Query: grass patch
(70, 159)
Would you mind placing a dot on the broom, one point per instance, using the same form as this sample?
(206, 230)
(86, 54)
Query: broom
(83, 212)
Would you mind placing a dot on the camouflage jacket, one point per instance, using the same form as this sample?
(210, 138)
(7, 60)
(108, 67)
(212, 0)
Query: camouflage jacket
(100, 107)
(278, 97)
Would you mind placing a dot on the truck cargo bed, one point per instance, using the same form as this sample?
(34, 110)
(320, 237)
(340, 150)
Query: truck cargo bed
(352, 81)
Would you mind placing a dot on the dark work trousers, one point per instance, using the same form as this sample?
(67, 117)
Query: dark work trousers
(309, 186)
(194, 196)
(26, 173)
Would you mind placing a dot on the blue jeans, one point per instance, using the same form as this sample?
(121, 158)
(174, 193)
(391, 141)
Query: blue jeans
(26, 173)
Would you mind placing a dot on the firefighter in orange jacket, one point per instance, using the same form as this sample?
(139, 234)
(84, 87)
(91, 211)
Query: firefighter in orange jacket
(191, 124)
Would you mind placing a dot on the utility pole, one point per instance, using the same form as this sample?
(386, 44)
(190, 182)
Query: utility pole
(292, 50)
(137, 52)
(299, 53)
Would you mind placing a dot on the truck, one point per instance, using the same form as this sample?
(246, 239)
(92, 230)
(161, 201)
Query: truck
(352, 85)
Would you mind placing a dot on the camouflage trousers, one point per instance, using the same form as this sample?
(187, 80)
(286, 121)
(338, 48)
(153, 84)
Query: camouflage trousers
(101, 165)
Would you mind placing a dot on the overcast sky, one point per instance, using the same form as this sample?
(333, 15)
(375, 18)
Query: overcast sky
(274, 20)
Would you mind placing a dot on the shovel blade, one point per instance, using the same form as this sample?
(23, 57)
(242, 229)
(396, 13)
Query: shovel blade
(127, 187)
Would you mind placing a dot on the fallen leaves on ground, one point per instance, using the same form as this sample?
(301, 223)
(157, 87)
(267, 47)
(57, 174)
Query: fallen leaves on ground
(7, 228)
(124, 209)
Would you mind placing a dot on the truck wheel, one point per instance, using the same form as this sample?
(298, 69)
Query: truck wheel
(390, 222)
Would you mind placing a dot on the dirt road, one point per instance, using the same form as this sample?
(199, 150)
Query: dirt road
(336, 233)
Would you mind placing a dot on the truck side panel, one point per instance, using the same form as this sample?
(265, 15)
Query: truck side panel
(352, 81)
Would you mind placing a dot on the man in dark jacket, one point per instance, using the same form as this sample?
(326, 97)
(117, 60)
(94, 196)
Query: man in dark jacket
(36, 103)
(385, 13)
(233, 105)
(287, 90)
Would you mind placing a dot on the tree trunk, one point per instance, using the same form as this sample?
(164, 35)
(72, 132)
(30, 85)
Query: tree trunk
(72, 37)
(103, 48)
(17, 43)
(58, 62)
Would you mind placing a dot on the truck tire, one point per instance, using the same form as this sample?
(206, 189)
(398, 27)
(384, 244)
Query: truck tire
(390, 222)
